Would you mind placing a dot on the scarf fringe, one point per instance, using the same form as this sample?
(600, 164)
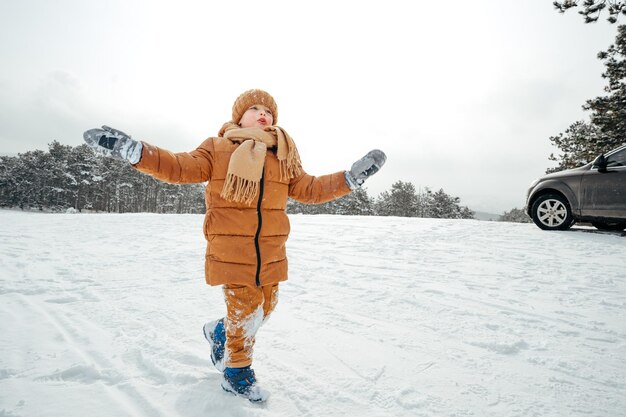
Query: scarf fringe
(287, 170)
(246, 163)
(239, 189)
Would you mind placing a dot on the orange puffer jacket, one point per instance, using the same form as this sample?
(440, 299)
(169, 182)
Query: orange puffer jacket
(245, 243)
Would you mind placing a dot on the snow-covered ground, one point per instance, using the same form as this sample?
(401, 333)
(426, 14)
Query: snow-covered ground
(101, 315)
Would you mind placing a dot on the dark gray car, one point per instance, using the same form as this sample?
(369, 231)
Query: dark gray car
(594, 193)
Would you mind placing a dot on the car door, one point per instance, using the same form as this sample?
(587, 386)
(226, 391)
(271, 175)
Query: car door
(603, 194)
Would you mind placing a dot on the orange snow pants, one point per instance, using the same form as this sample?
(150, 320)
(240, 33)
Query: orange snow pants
(247, 308)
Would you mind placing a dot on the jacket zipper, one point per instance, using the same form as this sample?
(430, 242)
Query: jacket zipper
(258, 232)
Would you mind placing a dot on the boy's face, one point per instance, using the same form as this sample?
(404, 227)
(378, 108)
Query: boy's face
(257, 116)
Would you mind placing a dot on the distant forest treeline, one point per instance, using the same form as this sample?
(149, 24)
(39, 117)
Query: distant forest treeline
(75, 178)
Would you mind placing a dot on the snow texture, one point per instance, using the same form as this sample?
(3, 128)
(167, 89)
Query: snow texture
(381, 317)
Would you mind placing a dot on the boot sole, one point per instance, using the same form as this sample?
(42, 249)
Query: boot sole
(208, 335)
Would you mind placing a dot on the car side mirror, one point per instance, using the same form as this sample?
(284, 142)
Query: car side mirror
(600, 162)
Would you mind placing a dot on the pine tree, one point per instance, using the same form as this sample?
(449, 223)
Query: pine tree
(515, 215)
(425, 203)
(295, 207)
(445, 206)
(31, 177)
(382, 205)
(593, 8)
(80, 167)
(579, 145)
(8, 181)
(401, 201)
(59, 192)
(357, 203)
(582, 142)
(608, 113)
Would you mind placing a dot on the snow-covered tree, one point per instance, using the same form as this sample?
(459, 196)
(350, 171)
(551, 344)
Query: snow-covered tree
(75, 177)
(357, 203)
(8, 181)
(401, 201)
(515, 215)
(444, 206)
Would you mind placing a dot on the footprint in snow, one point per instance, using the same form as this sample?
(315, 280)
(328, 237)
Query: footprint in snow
(411, 399)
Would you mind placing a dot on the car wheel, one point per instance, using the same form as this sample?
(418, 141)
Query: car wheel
(552, 212)
(610, 226)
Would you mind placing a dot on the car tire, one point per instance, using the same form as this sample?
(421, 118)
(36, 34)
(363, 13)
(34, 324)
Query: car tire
(552, 212)
(610, 226)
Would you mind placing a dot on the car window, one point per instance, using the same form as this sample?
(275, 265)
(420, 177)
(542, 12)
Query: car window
(618, 159)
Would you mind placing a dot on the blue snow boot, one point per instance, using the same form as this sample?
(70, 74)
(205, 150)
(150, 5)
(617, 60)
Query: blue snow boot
(242, 382)
(215, 333)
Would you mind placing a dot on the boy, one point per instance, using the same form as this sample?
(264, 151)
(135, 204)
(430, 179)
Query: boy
(252, 167)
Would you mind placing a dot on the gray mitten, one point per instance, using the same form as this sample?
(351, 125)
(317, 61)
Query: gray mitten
(114, 143)
(364, 168)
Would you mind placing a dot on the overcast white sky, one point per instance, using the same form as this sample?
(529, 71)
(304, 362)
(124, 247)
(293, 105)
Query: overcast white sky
(461, 95)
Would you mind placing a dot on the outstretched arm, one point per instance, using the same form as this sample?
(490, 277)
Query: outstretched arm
(315, 190)
(175, 168)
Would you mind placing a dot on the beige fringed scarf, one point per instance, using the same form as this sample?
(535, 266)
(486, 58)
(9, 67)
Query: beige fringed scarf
(246, 163)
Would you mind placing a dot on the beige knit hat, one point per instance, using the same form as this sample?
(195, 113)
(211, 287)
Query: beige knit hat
(250, 98)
